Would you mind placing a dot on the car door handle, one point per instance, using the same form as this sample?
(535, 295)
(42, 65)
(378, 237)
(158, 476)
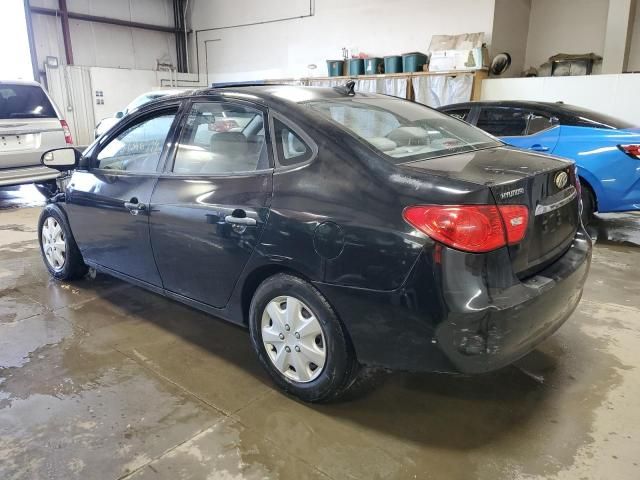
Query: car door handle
(135, 207)
(244, 221)
(538, 147)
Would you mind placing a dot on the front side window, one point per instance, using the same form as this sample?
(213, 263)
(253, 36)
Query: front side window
(221, 138)
(401, 130)
(503, 122)
(138, 148)
(292, 149)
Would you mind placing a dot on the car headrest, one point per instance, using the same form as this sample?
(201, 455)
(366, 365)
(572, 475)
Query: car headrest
(229, 143)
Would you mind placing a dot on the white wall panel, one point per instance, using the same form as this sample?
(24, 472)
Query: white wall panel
(221, 13)
(612, 94)
(284, 49)
(156, 12)
(510, 30)
(565, 26)
(634, 49)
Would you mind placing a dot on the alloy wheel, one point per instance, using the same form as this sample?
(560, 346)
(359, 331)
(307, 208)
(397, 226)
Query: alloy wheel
(54, 244)
(293, 339)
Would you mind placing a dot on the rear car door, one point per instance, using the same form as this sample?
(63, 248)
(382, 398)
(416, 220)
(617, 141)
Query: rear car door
(212, 202)
(108, 203)
(29, 125)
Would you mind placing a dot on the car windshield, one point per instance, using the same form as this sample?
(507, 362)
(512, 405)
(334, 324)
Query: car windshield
(24, 101)
(404, 131)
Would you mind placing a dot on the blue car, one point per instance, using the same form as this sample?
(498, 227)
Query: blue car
(606, 149)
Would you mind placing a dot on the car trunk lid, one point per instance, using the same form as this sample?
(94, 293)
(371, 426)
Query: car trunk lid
(546, 185)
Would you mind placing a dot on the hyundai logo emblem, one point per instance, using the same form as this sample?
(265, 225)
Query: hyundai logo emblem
(561, 180)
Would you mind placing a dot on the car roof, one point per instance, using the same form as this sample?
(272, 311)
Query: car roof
(20, 82)
(566, 113)
(549, 106)
(292, 94)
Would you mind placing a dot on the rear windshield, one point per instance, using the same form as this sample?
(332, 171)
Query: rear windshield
(24, 101)
(589, 118)
(404, 131)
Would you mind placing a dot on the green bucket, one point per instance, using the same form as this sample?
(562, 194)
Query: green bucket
(355, 66)
(373, 66)
(335, 67)
(393, 64)
(413, 62)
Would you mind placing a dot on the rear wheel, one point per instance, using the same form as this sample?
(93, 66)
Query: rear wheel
(588, 205)
(59, 250)
(299, 339)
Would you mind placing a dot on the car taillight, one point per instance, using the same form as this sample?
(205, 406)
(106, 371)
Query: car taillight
(633, 150)
(67, 132)
(472, 228)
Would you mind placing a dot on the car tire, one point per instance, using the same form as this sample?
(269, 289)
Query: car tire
(316, 333)
(588, 205)
(59, 251)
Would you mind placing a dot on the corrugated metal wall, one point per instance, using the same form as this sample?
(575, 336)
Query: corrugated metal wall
(96, 44)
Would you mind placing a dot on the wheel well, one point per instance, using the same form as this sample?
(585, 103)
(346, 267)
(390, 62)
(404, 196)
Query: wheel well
(585, 184)
(254, 279)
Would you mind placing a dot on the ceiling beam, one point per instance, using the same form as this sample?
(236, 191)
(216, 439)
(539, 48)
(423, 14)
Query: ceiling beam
(66, 34)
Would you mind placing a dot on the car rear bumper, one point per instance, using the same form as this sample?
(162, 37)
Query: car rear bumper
(19, 176)
(461, 312)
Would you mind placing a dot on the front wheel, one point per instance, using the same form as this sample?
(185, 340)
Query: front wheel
(299, 339)
(58, 248)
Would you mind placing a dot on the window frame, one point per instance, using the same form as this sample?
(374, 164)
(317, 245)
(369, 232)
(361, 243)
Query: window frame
(294, 127)
(137, 119)
(169, 161)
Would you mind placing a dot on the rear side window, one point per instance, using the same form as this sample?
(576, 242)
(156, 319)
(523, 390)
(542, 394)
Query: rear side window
(222, 138)
(538, 123)
(462, 114)
(24, 101)
(292, 149)
(503, 122)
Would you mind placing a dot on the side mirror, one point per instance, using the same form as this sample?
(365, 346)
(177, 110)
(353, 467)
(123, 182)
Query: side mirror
(62, 159)
(119, 115)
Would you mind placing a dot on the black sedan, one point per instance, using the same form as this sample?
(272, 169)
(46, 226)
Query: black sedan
(342, 229)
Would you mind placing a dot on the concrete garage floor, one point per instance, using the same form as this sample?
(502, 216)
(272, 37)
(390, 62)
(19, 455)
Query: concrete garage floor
(102, 380)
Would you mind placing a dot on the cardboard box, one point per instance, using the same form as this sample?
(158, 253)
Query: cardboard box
(458, 52)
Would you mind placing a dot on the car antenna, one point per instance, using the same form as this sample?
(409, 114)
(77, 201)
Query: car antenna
(347, 89)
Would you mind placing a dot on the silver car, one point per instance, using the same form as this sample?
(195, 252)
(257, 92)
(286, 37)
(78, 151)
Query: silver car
(106, 123)
(30, 124)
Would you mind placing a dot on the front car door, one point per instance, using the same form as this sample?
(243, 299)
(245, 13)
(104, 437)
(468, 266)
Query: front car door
(108, 202)
(212, 202)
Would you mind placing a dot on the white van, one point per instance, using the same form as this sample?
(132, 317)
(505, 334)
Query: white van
(30, 124)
